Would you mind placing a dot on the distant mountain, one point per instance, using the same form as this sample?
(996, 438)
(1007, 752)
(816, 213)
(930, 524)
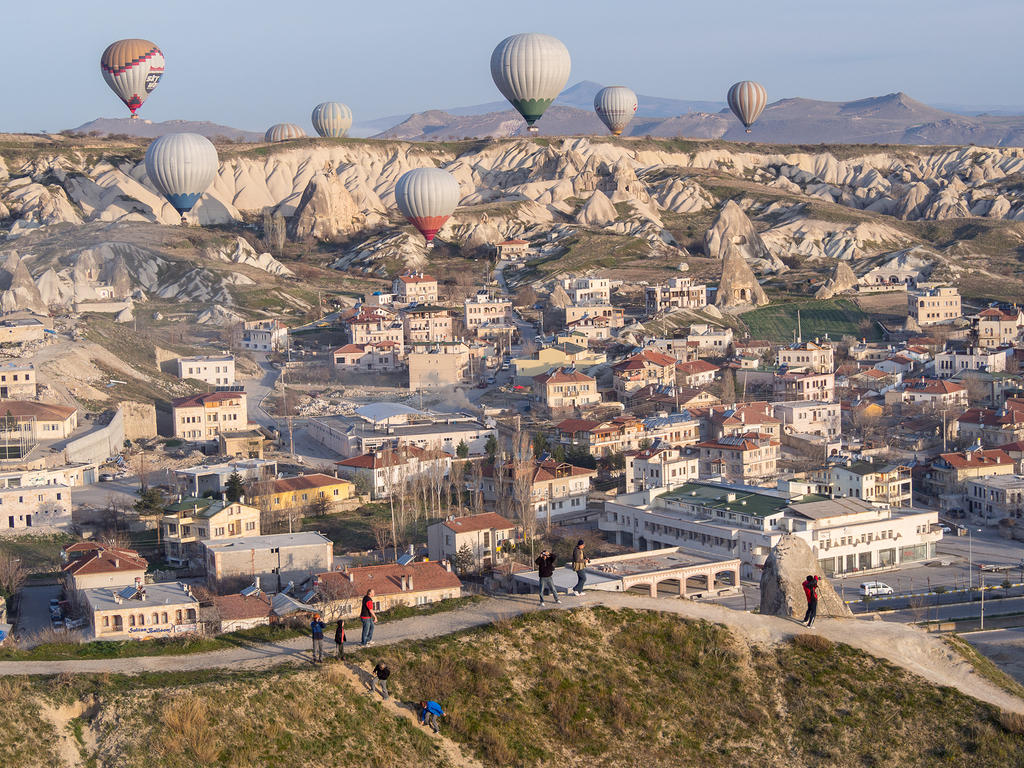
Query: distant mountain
(892, 119)
(148, 130)
(582, 95)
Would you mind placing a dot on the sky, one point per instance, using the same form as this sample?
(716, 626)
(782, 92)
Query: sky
(254, 63)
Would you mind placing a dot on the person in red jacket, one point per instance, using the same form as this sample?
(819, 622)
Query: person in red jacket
(810, 586)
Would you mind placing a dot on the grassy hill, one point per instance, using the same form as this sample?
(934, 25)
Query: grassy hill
(835, 317)
(581, 688)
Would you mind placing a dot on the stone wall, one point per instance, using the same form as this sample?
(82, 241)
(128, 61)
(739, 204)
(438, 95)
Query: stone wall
(139, 419)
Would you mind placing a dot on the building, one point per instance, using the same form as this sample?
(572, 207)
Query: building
(484, 534)
(952, 362)
(299, 494)
(591, 327)
(88, 565)
(723, 421)
(929, 393)
(871, 480)
(190, 522)
(644, 368)
(750, 458)
(380, 357)
(211, 479)
(588, 290)
(201, 418)
(678, 293)
(994, 498)
(578, 316)
(809, 417)
(241, 444)
(945, 481)
(376, 328)
(434, 431)
(277, 560)
(813, 355)
(382, 471)
(626, 433)
(17, 380)
(561, 355)
(438, 364)
(413, 585)
(557, 489)
(264, 335)
(999, 327)
(21, 330)
(934, 305)
(215, 370)
(564, 390)
(697, 373)
(846, 535)
(43, 507)
(425, 323)
(659, 398)
(38, 421)
(514, 250)
(415, 288)
(661, 467)
(804, 384)
(140, 612)
(709, 339)
(992, 427)
(482, 309)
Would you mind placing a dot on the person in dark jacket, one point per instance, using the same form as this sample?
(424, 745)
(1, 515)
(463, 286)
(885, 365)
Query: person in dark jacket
(368, 616)
(579, 564)
(546, 571)
(429, 712)
(339, 638)
(381, 673)
(810, 586)
(316, 627)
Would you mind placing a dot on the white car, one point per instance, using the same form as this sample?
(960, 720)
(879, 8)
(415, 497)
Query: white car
(875, 588)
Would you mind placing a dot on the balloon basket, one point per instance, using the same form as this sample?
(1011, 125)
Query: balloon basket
(533, 129)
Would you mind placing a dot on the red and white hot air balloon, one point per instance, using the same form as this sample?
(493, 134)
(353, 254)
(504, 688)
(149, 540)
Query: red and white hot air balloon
(427, 197)
(132, 69)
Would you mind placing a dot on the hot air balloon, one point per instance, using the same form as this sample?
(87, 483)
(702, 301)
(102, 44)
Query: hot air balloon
(284, 132)
(615, 105)
(427, 197)
(530, 70)
(747, 100)
(132, 69)
(332, 119)
(181, 167)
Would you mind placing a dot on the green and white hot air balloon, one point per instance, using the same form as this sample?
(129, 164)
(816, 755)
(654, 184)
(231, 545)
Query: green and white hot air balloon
(530, 70)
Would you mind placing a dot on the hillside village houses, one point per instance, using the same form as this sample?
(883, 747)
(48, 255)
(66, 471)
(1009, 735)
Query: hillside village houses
(201, 418)
(952, 362)
(811, 355)
(513, 250)
(626, 433)
(35, 508)
(557, 489)
(588, 290)
(677, 293)
(661, 467)
(264, 335)
(415, 288)
(17, 380)
(998, 327)
(934, 305)
(482, 309)
(393, 584)
(750, 458)
(438, 364)
(382, 471)
(929, 393)
(375, 327)
(302, 493)
(190, 521)
(483, 534)
(425, 323)
(560, 355)
(645, 367)
(380, 357)
(697, 373)
(38, 421)
(565, 390)
(587, 315)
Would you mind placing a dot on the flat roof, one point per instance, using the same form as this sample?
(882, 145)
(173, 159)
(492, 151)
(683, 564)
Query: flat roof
(826, 508)
(384, 411)
(299, 539)
(999, 481)
(165, 593)
(224, 358)
(735, 499)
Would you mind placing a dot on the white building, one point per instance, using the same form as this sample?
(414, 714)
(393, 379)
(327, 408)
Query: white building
(482, 310)
(809, 417)
(934, 305)
(44, 507)
(588, 290)
(17, 380)
(995, 497)
(347, 438)
(264, 335)
(215, 370)
(666, 468)
(874, 481)
(678, 293)
(950, 362)
(710, 339)
(813, 355)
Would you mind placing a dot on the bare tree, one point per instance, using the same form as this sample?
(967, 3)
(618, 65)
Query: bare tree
(728, 387)
(523, 472)
(12, 574)
(260, 494)
(477, 486)
(382, 534)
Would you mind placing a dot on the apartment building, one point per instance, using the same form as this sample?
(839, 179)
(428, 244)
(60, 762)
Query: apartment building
(812, 355)
(677, 293)
(727, 420)
(17, 380)
(380, 357)
(999, 327)
(296, 494)
(626, 433)
(804, 384)
(558, 489)
(613, 317)
(482, 309)
(264, 335)
(697, 373)
(661, 467)
(415, 288)
(384, 471)
(952, 362)
(588, 290)
(871, 480)
(142, 611)
(990, 427)
(376, 327)
(189, 522)
(484, 534)
(644, 368)
(934, 305)
(995, 497)
(710, 339)
(437, 364)
(276, 560)
(750, 458)
(944, 482)
(215, 370)
(809, 417)
(564, 390)
(929, 393)
(425, 323)
(200, 418)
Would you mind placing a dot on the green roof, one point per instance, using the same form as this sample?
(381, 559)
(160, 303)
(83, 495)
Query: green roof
(713, 497)
(867, 467)
(206, 507)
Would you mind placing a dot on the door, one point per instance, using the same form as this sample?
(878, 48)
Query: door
(28, 521)
(10, 521)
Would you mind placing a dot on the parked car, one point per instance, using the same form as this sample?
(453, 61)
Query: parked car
(481, 384)
(74, 623)
(946, 529)
(491, 380)
(56, 622)
(875, 588)
(505, 366)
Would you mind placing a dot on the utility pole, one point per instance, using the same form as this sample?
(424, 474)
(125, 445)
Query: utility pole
(982, 603)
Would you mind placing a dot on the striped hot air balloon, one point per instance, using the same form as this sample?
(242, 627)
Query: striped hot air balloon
(284, 132)
(427, 197)
(615, 105)
(530, 70)
(132, 69)
(332, 119)
(181, 166)
(747, 100)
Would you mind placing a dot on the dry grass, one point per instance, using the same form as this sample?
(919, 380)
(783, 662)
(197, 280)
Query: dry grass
(186, 729)
(1013, 722)
(815, 643)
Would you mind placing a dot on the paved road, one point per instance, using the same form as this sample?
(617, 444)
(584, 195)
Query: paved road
(258, 388)
(931, 612)
(35, 608)
(1004, 646)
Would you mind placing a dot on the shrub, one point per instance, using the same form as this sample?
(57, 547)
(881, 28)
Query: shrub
(1012, 722)
(815, 643)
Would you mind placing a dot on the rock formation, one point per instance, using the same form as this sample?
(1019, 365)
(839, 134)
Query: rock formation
(733, 231)
(326, 210)
(843, 279)
(598, 211)
(17, 288)
(738, 288)
(789, 563)
(244, 253)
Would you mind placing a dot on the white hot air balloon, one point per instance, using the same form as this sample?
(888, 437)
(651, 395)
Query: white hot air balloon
(615, 105)
(747, 101)
(332, 119)
(181, 166)
(284, 132)
(530, 70)
(427, 197)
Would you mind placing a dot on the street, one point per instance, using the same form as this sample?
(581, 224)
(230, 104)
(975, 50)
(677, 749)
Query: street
(1003, 646)
(35, 608)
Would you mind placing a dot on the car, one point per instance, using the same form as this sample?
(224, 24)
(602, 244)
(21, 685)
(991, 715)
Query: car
(875, 588)
(57, 622)
(946, 529)
(505, 366)
(106, 477)
(491, 379)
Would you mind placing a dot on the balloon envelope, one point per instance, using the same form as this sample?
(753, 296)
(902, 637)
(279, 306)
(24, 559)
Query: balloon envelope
(132, 69)
(427, 197)
(284, 132)
(530, 70)
(332, 119)
(747, 100)
(615, 105)
(181, 167)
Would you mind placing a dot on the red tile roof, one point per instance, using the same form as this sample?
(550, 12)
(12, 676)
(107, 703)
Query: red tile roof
(577, 425)
(235, 607)
(387, 579)
(193, 401)
(560, 375)
(696, 366)
(643, 358)
(481, 522)
(976, 459)
(349, 349)
(41, 411)
(935, 386)
(306, 482)
(110, 560)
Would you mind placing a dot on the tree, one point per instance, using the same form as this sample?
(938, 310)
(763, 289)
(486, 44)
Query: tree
(558, 454)
(728, 387)
(540, 444)
(462, 450)
(12, 574)
(234, 487)
(580, 457)
(491, 446)
(477, 486)
(319, 506)
(523, 468)
(382, 535)
(463, 560)
(151, 502)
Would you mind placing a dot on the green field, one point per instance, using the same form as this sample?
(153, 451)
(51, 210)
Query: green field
(835, 317)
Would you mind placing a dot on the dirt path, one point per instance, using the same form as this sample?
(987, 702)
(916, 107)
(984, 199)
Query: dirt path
(360, 680)
(906, 646)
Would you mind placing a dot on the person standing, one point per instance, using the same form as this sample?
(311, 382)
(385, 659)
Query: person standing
(579, 564)
(546, 572)
(368, 616)
(381, 673)
(810, 586)
(316, 627)
(339, 638)
(429, 712)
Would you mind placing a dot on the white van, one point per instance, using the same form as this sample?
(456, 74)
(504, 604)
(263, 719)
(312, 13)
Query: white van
(875, 588)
